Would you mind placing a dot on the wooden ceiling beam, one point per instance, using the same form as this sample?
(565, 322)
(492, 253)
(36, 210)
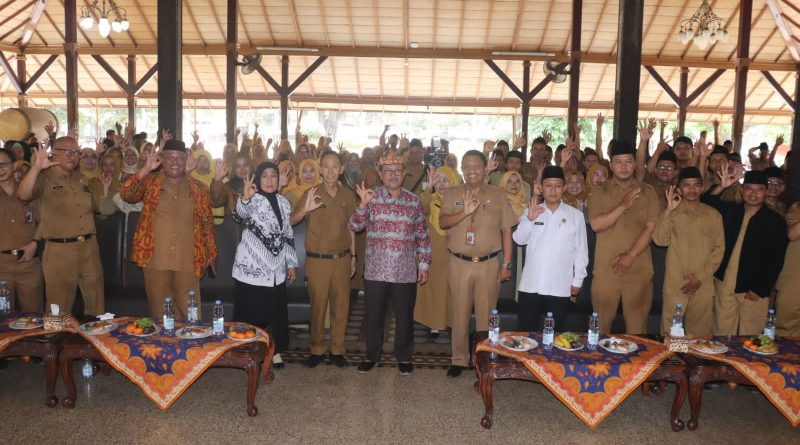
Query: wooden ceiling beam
(14, 15)
(123, 84)
(13, 30)
(787, 33)
(704, 86)
(778, 88)
(12, 76)
(296, 23)
(664, 85)
(38, 74)
(673, 30)
(33, 21)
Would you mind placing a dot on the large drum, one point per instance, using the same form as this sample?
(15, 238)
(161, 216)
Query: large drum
(17, 123)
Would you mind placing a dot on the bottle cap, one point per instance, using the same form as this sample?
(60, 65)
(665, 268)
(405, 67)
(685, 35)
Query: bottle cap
(594, 314)
(191, 293)
(772, 311)
(218, 302)
(494, 311)
(168, 299)
(679, 305)
(2, 282)
(549, 314)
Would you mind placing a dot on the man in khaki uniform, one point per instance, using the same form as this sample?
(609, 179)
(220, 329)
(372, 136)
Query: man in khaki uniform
(478, 219)
(624, 213)
(787, 302)
(71, 256)
(330, 258)
(755, 245)
(415, 169)
(19, 266)
(695, 241)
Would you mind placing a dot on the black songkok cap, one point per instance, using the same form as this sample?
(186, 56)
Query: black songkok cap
(684, 139)
(689, 173)
(176, 145)
(619, 148)
(552, 171)
(755, 177)
(773, 172)
(719, 150)
(515, 154)
(668, 156)
(735, 157)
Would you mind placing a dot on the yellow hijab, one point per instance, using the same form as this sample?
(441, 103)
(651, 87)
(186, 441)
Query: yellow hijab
(436, 198)
(295, 189)
(218, 212)
(90, 173)
(590, 175)
(517, 200)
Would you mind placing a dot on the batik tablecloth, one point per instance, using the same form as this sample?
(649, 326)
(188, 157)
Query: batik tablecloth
(9, 335)
(776, 376)
(590, 383)
(163, 366)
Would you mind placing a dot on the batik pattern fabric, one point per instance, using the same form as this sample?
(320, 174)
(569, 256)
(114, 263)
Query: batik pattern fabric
(9, 335)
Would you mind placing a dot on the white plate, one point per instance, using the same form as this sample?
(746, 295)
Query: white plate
(580, 346)
(86, 329)
(721, 349)
(606, 344)
(158, 329)
(206, 333)
(527, 343)
(19, 323)
(758, 352)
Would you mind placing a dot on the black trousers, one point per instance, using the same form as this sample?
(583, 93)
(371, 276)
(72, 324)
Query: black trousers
(265, 307)
(532, 308)
(403, 297)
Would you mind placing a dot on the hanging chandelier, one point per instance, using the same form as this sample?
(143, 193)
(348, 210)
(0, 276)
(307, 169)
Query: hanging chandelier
(104, 25)
(704, 27)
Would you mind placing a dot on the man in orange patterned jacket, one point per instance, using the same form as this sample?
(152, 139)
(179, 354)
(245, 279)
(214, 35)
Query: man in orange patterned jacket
(173, 257)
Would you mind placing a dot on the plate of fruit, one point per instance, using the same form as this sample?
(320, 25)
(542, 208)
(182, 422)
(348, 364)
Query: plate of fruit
(142, 327)
(25, 323)
(193, 332)
(568, 341)
(518, 343)
(618, 345)
(708, 346)
(761, 344)
(98, 327)
(242, 332)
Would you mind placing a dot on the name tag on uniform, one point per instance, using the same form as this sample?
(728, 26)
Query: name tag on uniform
(29, 217)
(538, 223)
(459, 203)
(57, 187)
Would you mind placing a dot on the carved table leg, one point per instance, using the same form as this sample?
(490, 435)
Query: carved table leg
(486, 385)
(252, 386)
(682, 387)
(51, 373)
(65, 364)
(696, 383)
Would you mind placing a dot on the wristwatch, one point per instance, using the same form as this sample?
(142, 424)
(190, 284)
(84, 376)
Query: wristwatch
(507, 266)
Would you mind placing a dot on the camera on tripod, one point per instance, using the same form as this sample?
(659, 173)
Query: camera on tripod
(436, 153)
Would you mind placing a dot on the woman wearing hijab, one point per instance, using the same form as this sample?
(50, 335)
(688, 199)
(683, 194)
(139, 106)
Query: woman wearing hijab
(88, 163)
(104, 186)
(575, 191)
(308, 176)
(265, 258)
(352, 171)
(21, 168)
(511, 183)
(130, 162)
(21, 150)
(204, 172)
(225, 188)
(597, 176)
(432, 308)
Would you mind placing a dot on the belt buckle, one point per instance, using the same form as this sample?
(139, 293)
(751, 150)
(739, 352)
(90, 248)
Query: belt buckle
(15, 251)
(476, 259)
(81, 238)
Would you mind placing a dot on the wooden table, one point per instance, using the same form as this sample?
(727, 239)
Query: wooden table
(702, 371)
(491, 369)
(45, 347)
(247, 357)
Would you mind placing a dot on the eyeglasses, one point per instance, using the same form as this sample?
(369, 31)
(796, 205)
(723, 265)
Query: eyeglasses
(775, 183)
(394, 172)
(665, 168)
(67, 152)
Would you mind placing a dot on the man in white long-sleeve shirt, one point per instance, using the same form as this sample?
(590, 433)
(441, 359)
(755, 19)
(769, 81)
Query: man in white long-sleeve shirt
(556, 254)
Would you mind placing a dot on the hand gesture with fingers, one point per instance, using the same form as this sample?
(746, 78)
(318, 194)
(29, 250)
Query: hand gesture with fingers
(488, 145)
(118, 127)
(153, 162)
(471, 201)
(365, 194)
(106, 181)
(779, 140)
(600, 120)
(673, 198)
(645, 132)
(43, 161)
(546, 136)
(630, 197)
(220, 169)
(249, 188)
(429, 182)
(50, 128)
(520, 141)
(533, 208)
(313, 201)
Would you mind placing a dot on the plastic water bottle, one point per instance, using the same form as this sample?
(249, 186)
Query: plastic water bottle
(193, 313)
(769, 327)
(5, 298)
(218, 318)
(677, 317)
(87, 370)
(594, 332)
(494, 327)
(169, 316)
(549, 331)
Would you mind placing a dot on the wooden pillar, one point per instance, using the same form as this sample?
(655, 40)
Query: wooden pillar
(22, 77)
(130, 93)
(170, 67)
(284, 97)
(629, 64)
(526, 104)
(231, 53)
(71, 61)
(742, 65)
(575, 65)
(683, 91)
(793, 192)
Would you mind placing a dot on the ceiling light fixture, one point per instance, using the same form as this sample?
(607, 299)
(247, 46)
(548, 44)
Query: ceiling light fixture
(104, 24)
(413, 45)
(703, 27)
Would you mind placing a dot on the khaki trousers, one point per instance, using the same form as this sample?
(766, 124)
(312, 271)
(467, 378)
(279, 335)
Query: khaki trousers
(698, 312)
(328, 284)
(736, 315)
(787, 313)
(634, 291)
(471, 284)
(66, 267)
(24, 280)
(159, 284)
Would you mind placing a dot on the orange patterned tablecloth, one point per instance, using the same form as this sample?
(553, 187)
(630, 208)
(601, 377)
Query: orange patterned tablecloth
(590, 383)
(776, 376)
(163, 366)
(9, 335)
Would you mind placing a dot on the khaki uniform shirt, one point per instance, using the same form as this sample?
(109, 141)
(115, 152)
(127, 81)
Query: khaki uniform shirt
(65, 204)
(173, 234)
(624, 233)
(493, 214)
(327, 231)
(661, 190)
(413, 175)
(18, 222)
(732, 271)
(696, 244)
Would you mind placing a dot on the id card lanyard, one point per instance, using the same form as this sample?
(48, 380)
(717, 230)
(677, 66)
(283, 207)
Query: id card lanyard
(469, 239)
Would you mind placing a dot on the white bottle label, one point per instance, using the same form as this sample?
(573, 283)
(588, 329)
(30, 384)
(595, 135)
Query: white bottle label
(494, 335)
(219, 325)
(770, 332)
(192, 314)
(547, 339)
(169, 323)
(593, 338)
(676, 331)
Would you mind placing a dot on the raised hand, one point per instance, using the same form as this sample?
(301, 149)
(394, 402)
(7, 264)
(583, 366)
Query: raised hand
(313, 201)
(42, 162)
(471, 201)
(220, 169)
(645, 132)
(566, 154)
(488, 145)
(249, 188)
(386, 128)
(600, 120)
(106, 181)
(520, 141)
(283, 178)
(365, 194)
(50, 128)
(491, 165)
(630, 197)
(533, 209)
(662, 124)
(153, 162)
(341, 147)
(118, 127)
(779, 140)
(195, 136)
(715, 124)
(429, 182)
(100, 146)
(403, 141)
(166, 135)
(546, 136)
(673, 198)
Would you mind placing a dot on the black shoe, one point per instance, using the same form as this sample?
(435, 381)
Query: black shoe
(405, 368)
(365, 366)
(339, 361)
(313, 360)
(454, 371)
